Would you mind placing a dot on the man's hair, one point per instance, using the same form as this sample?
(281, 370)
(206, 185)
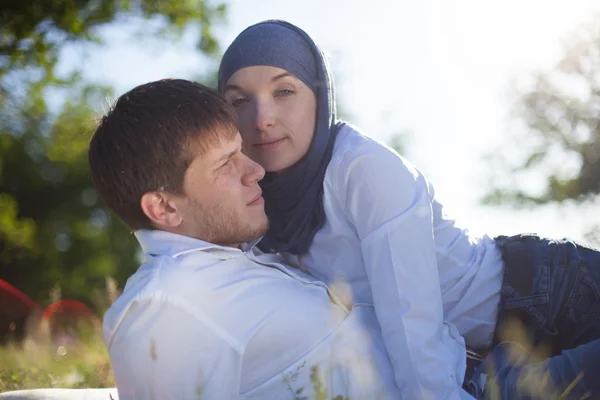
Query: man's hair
(143, 143)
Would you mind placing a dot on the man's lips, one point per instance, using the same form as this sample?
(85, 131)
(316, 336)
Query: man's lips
(256, 200)
(269, 144)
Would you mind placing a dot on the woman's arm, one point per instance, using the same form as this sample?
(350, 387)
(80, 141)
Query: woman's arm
(388, 202)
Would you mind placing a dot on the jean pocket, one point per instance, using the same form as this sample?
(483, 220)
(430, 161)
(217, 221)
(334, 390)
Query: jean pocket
(585, 300)
(524, 302)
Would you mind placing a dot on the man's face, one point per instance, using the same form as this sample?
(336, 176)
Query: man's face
(221, 201)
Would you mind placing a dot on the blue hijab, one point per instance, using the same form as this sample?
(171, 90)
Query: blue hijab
(293, 200)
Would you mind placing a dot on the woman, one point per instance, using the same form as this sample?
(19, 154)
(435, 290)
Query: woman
(346, 208)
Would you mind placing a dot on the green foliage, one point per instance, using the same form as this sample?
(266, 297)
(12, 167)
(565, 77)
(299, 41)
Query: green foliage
(37, 364)
(320, 393)
(41, 360)
(34, 32)
(560, 110)
(54, 231)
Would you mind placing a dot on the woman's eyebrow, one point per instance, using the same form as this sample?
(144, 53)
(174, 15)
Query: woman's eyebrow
(280, 76)
(230, 86)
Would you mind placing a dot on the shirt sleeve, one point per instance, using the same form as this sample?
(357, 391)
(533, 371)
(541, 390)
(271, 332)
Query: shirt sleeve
(388, 202)
(167, 351)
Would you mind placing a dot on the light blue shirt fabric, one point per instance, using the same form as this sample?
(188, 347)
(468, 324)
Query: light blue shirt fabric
(201, 321)
(388, 242)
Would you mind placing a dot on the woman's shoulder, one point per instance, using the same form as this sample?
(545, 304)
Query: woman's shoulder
(350, 140)
(371, 182)
(354, 152)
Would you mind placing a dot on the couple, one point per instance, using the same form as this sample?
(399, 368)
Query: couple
(309, 261)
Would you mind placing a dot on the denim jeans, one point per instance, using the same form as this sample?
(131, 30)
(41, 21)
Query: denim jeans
(553, 289)
(508, 373)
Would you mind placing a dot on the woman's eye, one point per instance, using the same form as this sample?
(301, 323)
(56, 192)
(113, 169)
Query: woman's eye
(284, 92)
(236, 102)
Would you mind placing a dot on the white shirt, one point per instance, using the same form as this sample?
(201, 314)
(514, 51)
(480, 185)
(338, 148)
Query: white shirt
(387, 242)
(201, 321)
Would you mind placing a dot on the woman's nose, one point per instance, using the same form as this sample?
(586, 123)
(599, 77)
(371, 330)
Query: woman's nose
(265, 115)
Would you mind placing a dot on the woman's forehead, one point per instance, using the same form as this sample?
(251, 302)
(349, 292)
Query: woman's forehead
(258, 74)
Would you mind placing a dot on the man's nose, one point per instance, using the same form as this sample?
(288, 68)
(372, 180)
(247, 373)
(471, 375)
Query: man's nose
(254, 172)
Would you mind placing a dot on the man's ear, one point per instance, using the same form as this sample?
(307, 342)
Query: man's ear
(161, 209)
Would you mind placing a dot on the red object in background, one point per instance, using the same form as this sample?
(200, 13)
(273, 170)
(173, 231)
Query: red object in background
(14, 302)
(15, 309)
(68, 310)
(66, 318)
(63, 316)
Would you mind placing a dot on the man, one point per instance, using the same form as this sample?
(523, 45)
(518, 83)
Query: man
(204, 316)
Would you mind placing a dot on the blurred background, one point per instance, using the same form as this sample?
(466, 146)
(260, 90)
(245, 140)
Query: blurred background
(498, 103)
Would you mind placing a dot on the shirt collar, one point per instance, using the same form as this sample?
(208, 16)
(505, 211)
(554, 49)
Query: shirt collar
(158, 242)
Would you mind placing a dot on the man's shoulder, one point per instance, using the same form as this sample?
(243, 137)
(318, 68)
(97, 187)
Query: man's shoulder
(163, 305)
(188, 281)
(141, 287)
(168, 276)
(158, 285)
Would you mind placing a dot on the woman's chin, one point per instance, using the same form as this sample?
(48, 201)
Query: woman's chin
(276, 171)
(276, 167)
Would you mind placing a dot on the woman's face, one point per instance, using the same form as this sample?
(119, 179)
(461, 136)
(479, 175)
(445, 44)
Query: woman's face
(276, 115)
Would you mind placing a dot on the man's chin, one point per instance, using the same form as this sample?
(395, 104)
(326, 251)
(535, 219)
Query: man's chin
(260, 232)
(250, 234)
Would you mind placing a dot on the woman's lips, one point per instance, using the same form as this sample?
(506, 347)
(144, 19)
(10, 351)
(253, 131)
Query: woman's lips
(270, 145)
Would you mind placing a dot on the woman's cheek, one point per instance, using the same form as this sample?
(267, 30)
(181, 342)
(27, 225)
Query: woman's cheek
(244, 123)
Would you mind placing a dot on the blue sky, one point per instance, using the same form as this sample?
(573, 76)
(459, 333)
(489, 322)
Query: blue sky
(440, 69)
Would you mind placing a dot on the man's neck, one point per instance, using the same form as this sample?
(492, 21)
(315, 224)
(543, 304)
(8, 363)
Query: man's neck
(183, 232)
(234, 245)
